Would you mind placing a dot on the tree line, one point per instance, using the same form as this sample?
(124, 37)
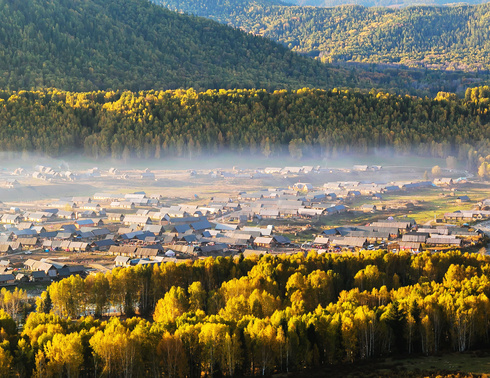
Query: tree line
(255, 316)
(187, 123)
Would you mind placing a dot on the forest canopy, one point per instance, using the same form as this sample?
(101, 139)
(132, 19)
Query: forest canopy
(187, 123)
(453, 38)
(379, 3)
(135, 45)
(254, 316)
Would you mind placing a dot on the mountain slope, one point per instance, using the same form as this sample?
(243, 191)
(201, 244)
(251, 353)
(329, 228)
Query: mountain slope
(381, 3)
(133, 44)
(434, 37)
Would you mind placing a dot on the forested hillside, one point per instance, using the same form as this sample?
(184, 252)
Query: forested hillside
(435, 37)
(381, 3)
(244, 317)
(133, 44)
(182, 123)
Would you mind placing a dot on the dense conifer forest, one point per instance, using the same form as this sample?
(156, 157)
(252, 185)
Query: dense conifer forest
(133, 44)
(251, 316)
(379, 3)
(186, 123)
(455, 38)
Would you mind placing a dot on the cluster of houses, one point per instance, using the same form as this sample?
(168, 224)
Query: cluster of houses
(359, 188)
(156, 244)
(215, 227)
(483, 212)
(141, 209)
(264, 172)
(396, 235)
(301, 200)
(138, 228)
(63, 173)
(35, 271)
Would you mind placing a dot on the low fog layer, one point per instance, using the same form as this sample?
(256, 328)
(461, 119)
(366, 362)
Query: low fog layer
(225, 160)
(39, 178)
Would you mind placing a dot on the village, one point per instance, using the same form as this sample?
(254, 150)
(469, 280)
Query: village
(49, 239)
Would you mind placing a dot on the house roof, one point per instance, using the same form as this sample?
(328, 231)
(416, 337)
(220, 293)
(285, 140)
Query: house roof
(321, 240)
(201, 225)
(154, 228)
(25, 232)
(392, 224)
(123, 249)
(71, 227)
(350, 241)
(28, 241)
(51, 234)
(147, 252)
(134, 234)
(261, 231)
(181, 228)
(10, 217)
(64, 272)
(4, 247)
(122, 259)
(100, 231)
(280, 239)
(104, 243)
(74, 269)
(137, 219)
(263, 240)
(190, 238)
(6, 277)
(39, 274)
(443, 241)
(415, 237)
(226, 227)
(82, 222)
(214, 248)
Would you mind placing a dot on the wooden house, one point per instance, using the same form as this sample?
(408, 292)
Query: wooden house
(7, 279)
(266, 242)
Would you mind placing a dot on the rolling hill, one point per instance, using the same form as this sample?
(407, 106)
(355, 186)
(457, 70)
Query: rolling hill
(381, 3)
(136, 45)
(456, 38)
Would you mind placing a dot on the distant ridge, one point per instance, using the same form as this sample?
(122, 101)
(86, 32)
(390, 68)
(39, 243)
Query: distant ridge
(382, 3)
(448, 38)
